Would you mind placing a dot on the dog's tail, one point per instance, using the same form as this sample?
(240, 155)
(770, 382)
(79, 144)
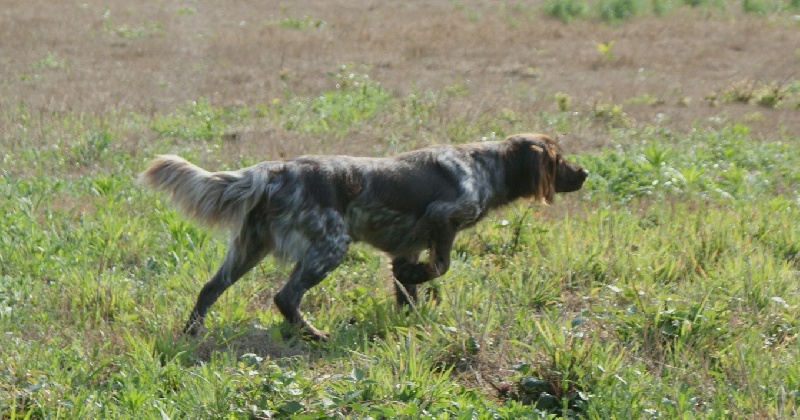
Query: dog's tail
(217, 199)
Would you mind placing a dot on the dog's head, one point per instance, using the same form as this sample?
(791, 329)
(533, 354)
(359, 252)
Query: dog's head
(549, 173)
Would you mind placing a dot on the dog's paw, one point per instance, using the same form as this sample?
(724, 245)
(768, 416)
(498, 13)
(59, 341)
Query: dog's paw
(303, 331)
(192, 328)
(314, 334)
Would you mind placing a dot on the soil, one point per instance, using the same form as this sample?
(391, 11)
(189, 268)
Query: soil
(153, 56)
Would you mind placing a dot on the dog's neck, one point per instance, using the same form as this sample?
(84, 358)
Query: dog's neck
(501, 174)
(510, 170)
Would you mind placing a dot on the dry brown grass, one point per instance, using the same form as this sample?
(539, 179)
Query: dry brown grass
(150, 57)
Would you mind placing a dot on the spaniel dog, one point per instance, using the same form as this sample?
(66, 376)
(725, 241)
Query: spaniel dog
(308, 210)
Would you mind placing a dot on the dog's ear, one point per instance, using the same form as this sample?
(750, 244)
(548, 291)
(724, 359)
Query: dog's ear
(547, 164)
(536, 156)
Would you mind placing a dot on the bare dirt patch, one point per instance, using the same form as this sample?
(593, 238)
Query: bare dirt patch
(151, 57)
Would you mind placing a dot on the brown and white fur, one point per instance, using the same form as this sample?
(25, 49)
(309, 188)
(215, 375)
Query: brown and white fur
(308, 210)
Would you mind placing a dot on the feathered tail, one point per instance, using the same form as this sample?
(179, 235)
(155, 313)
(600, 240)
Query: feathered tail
(218, 199)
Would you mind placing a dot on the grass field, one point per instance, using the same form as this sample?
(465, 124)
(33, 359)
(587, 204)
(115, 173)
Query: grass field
(669, 287)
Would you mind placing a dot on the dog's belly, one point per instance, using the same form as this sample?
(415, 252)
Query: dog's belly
(391, 231)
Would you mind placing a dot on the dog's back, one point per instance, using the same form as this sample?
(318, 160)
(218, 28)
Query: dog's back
(380, 199)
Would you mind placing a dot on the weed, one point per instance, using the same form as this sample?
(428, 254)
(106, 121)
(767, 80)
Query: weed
(356, 99)
(758, 7)
(564, 101)
(197, 120)
(770, 95)
(617, 10)
(305, 22)
(645, 99)
(661, 7)
(50, 61)
(606, 50)
(612, 115)
(94, 146)
(565, 10)
(146, 30)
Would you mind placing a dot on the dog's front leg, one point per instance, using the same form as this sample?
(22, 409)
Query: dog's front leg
(405, 293)
(409, 272)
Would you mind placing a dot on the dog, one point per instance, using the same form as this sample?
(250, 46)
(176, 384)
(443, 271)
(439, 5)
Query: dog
(307, 210)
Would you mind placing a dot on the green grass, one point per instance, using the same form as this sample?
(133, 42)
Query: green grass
(667, 287)
(566, 10)
(617, 11)
(355, 100)
(305, 22)
(146, 29)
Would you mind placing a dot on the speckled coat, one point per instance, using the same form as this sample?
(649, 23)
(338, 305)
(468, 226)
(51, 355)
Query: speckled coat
(308, 210)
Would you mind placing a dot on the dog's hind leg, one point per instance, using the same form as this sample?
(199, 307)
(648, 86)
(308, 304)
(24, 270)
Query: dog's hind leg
(244, 252)
(321, 257)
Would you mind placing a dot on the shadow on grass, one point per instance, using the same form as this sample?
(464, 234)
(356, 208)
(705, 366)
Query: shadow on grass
(274, 342)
